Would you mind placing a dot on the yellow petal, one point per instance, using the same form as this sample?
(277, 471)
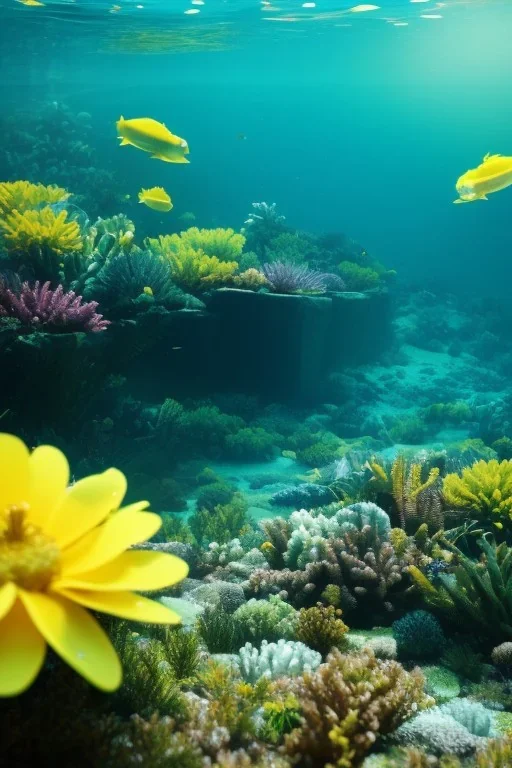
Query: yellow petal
(76, 636)
(86, 505)
(127, 605)
(139, 571)
(13, 471)
(80, 549)
(22, 651)
(48, 480)
(7, 598)
(108, 541)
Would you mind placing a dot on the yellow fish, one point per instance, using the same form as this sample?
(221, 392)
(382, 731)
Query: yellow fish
(30, 2)
(151, 136)
(493, 174)
(156, 198)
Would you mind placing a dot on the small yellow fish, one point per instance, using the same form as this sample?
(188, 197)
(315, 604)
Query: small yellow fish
(30, 2)
(151, 136)
(156, 198)
(493, 174)
(148, 290)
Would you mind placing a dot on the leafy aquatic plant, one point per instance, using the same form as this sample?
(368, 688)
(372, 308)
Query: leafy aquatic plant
(476, 594)
(358, 278)
(39, 308)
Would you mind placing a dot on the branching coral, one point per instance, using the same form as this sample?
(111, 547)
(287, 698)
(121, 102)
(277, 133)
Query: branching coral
(347, 703)
(321, 628)
(23, 196)
(370, 575)
(273, 660)
(266, 620)
(251, 279)
(485, 489)
(40, 308)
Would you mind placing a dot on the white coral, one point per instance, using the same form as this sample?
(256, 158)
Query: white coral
(273, 660)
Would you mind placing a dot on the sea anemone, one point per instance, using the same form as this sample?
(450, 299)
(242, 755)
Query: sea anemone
(62, 550)
(287, 277)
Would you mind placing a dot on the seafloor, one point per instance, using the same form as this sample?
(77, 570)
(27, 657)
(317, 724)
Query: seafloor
(329, 447)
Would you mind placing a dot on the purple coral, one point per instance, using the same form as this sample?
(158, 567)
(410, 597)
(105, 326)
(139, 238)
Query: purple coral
(57, 310)
(287, 277)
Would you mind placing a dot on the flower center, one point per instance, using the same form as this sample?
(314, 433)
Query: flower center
(27, 557)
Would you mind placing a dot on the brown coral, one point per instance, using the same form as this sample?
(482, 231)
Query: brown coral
(347, 703)
(369, 573)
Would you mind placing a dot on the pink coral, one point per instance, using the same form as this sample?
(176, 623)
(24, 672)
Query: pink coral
(43, 308)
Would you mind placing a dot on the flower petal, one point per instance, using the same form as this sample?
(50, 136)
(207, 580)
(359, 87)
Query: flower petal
(13, 471)
(7, 598)
(48, 480)
(22, 651)
(76, 636)
(108, 541)
(127, 605)
(86, 505)
(140, 571)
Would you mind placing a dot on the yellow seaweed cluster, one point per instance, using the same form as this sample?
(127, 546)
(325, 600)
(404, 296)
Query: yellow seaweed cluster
(198, 258)
(485, 488)
(404, 482)
(42, 229)
(23, 196)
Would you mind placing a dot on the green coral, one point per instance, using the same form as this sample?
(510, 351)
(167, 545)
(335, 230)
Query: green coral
(440, 683)
(418, 635)
(280, 717)
(251, 444)
(270, 620)
(358, 278)
(321, 628)
(222, 524)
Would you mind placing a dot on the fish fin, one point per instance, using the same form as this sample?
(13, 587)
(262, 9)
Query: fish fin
(484, 197)
(124, 142)
(459, 201)
(169, 160)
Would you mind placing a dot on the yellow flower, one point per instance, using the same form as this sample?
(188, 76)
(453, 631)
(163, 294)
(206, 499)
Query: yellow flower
(62, 550)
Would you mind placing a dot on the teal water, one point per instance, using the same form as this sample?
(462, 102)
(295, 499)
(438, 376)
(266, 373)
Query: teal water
(354, 122)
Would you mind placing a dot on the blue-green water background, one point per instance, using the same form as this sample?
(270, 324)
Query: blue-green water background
(352, 124)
